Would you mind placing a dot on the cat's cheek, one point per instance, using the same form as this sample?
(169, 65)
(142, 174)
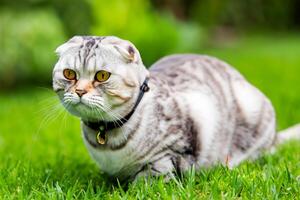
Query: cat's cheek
(116, 98)
(57, 88)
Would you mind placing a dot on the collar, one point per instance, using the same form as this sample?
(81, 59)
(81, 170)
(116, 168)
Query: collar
(103, 126)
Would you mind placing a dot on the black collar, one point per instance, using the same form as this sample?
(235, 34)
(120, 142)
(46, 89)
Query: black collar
(104, 126)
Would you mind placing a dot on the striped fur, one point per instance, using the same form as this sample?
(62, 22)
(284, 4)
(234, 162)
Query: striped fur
(198, 112)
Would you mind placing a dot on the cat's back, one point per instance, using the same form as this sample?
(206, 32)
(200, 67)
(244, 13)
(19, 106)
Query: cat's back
(182, 68)
(220, 103)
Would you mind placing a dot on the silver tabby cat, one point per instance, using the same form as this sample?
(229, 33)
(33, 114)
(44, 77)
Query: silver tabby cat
(198, 112)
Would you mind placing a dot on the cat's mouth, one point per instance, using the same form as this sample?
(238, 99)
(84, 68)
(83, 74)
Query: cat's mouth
(83, 103)
(87, 105)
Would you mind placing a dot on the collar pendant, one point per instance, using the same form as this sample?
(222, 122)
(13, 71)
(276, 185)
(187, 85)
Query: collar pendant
(101, 136)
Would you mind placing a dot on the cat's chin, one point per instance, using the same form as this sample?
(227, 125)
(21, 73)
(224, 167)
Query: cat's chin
(86, 113)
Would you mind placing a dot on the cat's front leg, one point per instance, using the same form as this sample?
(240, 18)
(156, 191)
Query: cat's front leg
(163, 166)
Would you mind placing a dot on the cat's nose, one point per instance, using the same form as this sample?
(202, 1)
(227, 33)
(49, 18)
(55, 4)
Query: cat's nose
(80, 92)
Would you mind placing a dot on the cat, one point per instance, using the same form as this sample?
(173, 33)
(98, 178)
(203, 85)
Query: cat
(186, 111)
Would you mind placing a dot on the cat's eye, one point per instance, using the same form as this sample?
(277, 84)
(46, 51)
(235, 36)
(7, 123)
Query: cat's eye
(69, 74)
(102, 76)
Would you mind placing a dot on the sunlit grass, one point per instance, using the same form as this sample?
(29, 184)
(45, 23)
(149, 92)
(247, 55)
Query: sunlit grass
(42, 154)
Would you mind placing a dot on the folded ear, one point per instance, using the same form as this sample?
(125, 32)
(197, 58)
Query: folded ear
(73, 42)
(127, 50)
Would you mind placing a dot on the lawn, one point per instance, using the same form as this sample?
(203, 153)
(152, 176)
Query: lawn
(42, 155)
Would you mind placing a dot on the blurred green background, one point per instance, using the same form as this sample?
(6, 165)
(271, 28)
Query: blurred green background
(42, 155)
(30, 30)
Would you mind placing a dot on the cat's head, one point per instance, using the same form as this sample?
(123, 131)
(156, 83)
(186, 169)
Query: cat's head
(98, 78)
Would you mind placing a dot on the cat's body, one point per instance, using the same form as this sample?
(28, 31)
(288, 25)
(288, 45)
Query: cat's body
(198, 112)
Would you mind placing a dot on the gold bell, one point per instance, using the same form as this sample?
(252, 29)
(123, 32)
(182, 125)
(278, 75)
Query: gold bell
(101, 136)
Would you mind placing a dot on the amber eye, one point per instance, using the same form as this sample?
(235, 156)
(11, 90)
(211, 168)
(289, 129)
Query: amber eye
(69, 74)
(102, 76)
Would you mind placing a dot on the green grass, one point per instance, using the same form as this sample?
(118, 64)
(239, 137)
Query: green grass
(42, 155)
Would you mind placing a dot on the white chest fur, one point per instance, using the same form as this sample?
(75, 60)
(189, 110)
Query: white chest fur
(112, 161)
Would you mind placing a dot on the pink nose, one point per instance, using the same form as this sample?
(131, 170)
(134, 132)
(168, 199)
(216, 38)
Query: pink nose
(80, 92)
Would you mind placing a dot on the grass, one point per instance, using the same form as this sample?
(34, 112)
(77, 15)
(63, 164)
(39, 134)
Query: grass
(42, 155)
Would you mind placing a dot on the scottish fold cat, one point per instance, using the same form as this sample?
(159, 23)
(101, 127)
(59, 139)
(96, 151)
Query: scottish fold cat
(186, 110)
